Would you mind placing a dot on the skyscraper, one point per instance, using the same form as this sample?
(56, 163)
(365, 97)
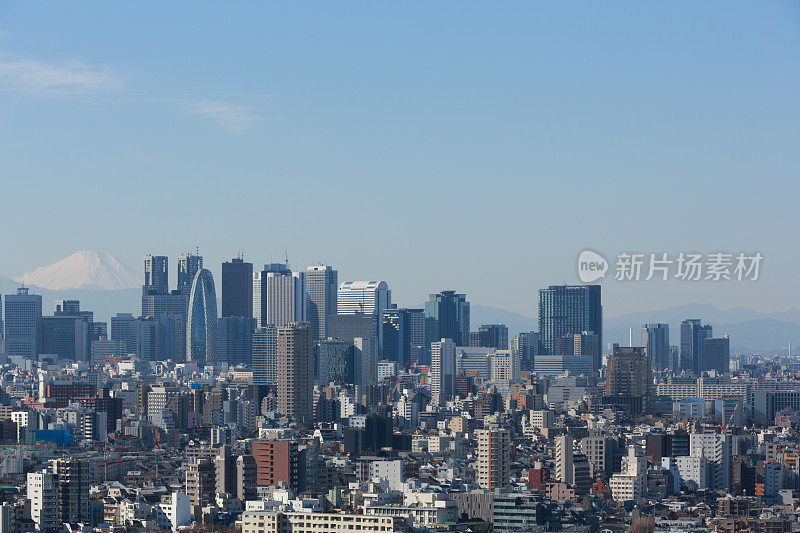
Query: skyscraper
(279, 297)
(66, 336)
(526, 346)
(122, 331)
(365, 361)
(295, 370)
(23, 324)
(447, 317)
(655, 339)
(442, 376)
(169, 309)
(237, 288)
(717, 354)
(396, 335)
(188, 266)
(565, 310)
(334, 362)
(629, 372)
(493, 336)
(156, 280)
(365, 298)
(322, 283)
(201, 325)
(265, 356)
(693, 336)
(494, 458)
(235, 340)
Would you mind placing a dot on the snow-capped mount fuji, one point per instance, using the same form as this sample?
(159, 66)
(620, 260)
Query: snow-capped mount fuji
(86, 270)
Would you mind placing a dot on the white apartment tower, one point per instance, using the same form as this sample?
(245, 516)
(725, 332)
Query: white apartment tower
(442, 377)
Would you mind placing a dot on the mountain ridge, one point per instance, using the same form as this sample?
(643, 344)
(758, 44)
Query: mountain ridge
(84, 270)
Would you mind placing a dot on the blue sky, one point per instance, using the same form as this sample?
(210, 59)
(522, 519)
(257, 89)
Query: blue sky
(475, 146)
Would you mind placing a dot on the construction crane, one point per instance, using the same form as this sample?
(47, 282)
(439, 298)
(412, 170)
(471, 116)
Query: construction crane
(735, 407)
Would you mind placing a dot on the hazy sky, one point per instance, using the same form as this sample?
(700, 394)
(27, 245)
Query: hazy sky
(474, 146)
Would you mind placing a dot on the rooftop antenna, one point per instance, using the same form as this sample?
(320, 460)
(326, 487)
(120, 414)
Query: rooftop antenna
(286, 257)
(197, 249)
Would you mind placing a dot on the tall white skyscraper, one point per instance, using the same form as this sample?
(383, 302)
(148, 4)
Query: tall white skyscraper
(279, 297)
(322, 283)
(442, 380)
(365, 297)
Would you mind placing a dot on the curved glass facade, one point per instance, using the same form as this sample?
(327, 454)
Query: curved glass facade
(201, 326)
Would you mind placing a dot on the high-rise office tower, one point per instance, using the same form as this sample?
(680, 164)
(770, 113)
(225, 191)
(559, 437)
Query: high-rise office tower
(169, 309)
(365, 298)
(526, 346)
(122, 330)
(348, 327)
(279, 297)
(322, 284)
(629, 372)
(73, 489)
(494, 458)
(717, 354)
(693, 336)
(43, 492)
(23, 324)
(586, 344)
(416, 327)
(565, 310)
(188, 266)
(334, 362)
(365, 361)
(66, 336)
(296, 370)
(396, 335)
(235, 340)
(655, 339)
(265, 356)
(237, 288)
(493, 336)
(447, 317)
(66, 308)
(201, 325)
(156, 279)
(564, 459)
(442, 376)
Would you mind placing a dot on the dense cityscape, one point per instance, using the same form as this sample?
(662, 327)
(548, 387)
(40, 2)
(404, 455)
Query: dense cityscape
(304, 403)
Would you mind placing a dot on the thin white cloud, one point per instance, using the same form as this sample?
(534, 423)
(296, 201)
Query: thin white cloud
(75, 78)
(231, 117)
(67, 78)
